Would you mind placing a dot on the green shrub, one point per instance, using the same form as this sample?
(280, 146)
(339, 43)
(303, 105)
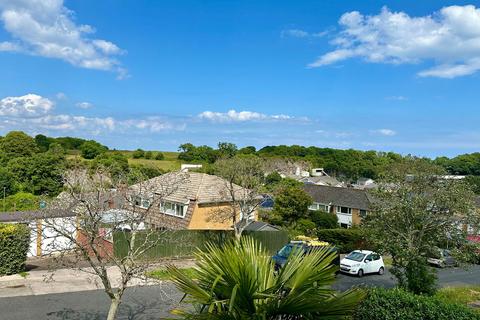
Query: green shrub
(306, 227)
(14, 244)
(159, 156)
(393, 304)
(21, 201)
(148, 155)
(345, 240)
(137, 154)
(324, 220)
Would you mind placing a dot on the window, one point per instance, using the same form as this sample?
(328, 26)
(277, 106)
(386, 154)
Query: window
(344, 210)
(173, 209)
(363, 213)
(375, 256)
(344, 225)
(319, 206)
(141, 202)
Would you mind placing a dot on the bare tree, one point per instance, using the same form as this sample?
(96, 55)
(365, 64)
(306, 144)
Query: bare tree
(243, 178)
(100, 209)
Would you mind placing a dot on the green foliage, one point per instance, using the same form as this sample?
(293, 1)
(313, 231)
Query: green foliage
(226, 150)
(141, 172)
(159, 156)
(17, 144)
(90, 149)
(324, 220)
(305, 227)
(70, 143)
(7, 182)
(163, 274)
(393, 304)
(189, 152)
(291, 203)
(474, 183)
(14, 244)
(137, 154)
(273, 178)
(21, 201)
(462, 295)
(238, 281)
(116, 164)
(410, 221)
(346, 240)
(247, 150)
(148, 155)
(43, 142)
(465, 164)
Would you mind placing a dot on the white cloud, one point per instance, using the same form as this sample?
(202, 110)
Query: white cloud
(47, 29)
(450, 38)
(385, 132)
(298, 33)
(240, 116)
(29, 105)
(34, 113)
(61, 96)
(84, 105)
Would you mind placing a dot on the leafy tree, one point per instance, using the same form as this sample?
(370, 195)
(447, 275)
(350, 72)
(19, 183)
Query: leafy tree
(46, 173)
(115, 163)
(7, 182)
(238, 281)
(305, 227)
(90, 149)
(227, 149)
(17, 144)
(273, 178)
(291, 203)
(70, 143)
(159, 156)
(43, 142)
(189, 152)
(137, 154)
(414, 212)
(141, 172)
(324, 220)
(247, 150)
(56, 148)
(474, 183)
(21, 201)
(148, 155)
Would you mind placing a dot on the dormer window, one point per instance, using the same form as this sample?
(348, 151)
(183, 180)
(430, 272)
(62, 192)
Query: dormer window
(174, 209)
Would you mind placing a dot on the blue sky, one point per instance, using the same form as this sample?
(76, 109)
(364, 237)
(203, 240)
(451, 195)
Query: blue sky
(393, 76)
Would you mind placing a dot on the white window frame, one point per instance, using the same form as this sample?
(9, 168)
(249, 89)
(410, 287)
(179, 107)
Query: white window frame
(318, 206)
(339, 210)
(139, 201)
(174, 209)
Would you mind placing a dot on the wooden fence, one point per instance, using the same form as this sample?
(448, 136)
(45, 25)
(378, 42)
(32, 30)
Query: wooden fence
(183, 243)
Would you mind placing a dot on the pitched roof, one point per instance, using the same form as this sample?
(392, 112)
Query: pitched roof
(345, 197)
(322, 180)
(261, 226)
(25, 216)
(184, 186)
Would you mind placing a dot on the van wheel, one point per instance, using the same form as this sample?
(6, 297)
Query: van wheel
(381, 271)
(360, 273)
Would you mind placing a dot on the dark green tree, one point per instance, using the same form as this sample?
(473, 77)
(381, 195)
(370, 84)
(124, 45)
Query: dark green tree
(90, 149)
(227, 149)
(137, 154)
(7, 182)
(291, 203)
(148, 155)
(17, 144)
(43, 142)
(159, 156)
(324, 220)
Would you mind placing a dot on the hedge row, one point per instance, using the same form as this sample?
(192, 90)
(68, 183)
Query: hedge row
(346, 240)
(14, 244)
(393, 304)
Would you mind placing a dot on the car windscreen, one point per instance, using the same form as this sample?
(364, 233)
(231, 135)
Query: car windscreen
(287, 250)
(355, 256)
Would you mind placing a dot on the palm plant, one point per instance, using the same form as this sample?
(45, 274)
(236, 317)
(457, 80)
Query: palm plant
(238, 281)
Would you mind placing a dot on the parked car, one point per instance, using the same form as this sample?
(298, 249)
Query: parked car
(303, 243)
(360, 262)
(442, 258)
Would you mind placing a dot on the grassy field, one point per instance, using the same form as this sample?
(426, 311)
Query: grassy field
(162, 274)
(169, 163)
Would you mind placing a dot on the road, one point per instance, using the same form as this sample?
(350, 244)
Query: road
(155, 302)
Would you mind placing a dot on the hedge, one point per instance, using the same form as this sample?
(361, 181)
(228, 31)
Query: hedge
(14, 244)
(345, 240)
(393, 304)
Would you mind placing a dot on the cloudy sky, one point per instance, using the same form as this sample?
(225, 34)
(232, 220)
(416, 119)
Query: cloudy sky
(401, 76)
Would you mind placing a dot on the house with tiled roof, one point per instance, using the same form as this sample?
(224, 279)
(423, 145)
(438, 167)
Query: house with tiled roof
(188, 200)
(349, 204)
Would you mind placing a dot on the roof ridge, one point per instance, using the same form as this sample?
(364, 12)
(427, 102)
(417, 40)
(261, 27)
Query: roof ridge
(200, 185)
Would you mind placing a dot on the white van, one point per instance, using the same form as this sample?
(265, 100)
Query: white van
(360, 262)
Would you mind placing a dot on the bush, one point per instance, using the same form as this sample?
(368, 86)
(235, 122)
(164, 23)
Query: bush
(22, 201)
(14, 244)
(324, 220)
(345, 240)
(137, 154)
(395, 304)
(148, 155)
(305, 227)
(159, 156)
(90, 149)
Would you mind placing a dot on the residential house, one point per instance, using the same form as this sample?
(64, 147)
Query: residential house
(350, 205)
(188, 200)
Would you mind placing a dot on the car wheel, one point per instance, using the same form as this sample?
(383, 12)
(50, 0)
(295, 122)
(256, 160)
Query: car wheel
(360, 273)
(381, 271)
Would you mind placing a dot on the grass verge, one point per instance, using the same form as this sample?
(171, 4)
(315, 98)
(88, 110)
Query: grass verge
(461, 295)
(162, 274)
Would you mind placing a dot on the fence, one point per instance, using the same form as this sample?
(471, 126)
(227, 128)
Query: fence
(183, 243)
